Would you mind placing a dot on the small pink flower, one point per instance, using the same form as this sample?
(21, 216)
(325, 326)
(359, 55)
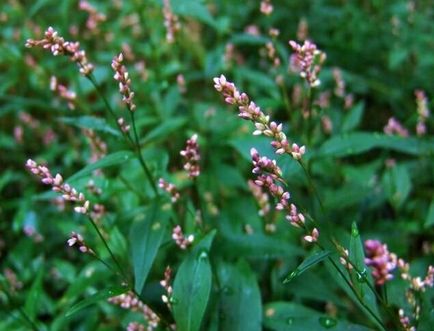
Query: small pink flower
(313, 237)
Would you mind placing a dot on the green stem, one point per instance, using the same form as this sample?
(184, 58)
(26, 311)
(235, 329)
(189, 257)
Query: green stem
(136, 145)
(375, 292)
(377, 319)
(148, 173)
(310, 97)
(311, 184)
(383, 301)
(286, 101)
(121, 271)
(132, 189)
(386, 300)
(103, 262)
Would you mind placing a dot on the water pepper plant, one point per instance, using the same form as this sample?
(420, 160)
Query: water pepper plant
(134, 199)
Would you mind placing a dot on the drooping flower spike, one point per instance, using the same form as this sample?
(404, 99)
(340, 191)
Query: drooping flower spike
(248, 110)
(58, 46)
(269, 178)
(56, 182)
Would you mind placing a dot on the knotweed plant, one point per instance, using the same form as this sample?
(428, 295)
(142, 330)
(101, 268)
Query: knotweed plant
(157, 209)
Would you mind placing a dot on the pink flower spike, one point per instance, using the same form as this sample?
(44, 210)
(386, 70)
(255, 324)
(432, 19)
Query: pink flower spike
(191, 156)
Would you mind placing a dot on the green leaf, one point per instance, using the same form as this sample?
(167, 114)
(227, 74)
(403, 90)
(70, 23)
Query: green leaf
(95, 298)
(240, 299)
(248, 39)
(257, 245)
(146, 236)
(90, 122)
(283, 316)
(33, 298)
(338, 278)
(397, 57)
(260, 78)
(37, 5)
(244, 144)
(353, 118)
(360, 142)
(228, 176)
(107, 161)
(193, 8)
(308, 263)
(192, 286)
(165, 129)
(397, 185)
(357, 258)
(430, 217)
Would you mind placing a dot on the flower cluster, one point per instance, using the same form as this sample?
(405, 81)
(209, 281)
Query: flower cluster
(416, 283)
(166, 283)
(135, 326)
(302, 29)
(405, 321)
(31, 232)
(340, 83)
(180, 239)
(122, 76)
(68, 193)
(266, 7)
(191, 156)
(422, 112)
(12, 280)
(94, 18)
(131, 302)
(171, 22)
(313, 236)
(344, 258)
(269, 176)
(307, 60)
(169, 188)
(58, 46)
(395, 127)
(180, 80)
(63, 92)
(261, 198)
(272, 54)
(76, 239)
(123, 125)
(380, 260)
(248, 110)
(98, 147)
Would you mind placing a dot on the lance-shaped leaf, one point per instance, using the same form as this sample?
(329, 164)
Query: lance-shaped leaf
(107, 161)
(308, 263)
(240, 299)
(95, 298)
(360, 279)
(146, 237)
(192, 286)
